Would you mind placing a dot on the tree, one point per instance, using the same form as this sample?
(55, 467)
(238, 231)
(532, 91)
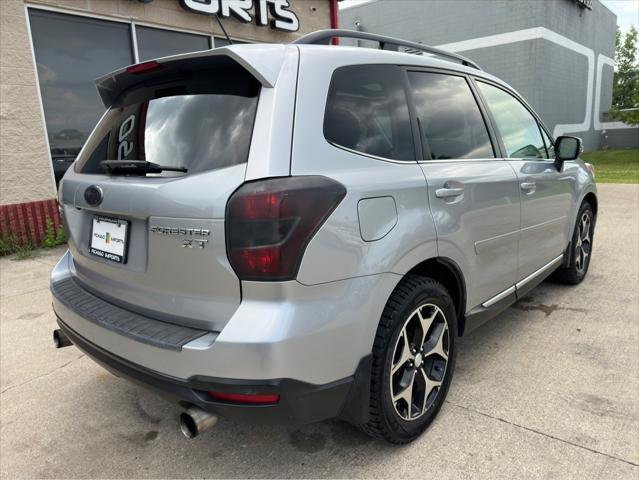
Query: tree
(625, 90)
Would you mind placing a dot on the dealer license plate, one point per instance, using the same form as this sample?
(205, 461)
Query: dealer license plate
(109, 238)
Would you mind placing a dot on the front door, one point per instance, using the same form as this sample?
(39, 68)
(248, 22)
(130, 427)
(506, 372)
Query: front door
(473, 194)
(546, 196)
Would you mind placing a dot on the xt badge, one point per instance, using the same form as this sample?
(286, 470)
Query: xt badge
(193, 243)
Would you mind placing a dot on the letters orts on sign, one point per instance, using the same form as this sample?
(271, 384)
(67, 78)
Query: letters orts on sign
(281, 18)
(585, 4)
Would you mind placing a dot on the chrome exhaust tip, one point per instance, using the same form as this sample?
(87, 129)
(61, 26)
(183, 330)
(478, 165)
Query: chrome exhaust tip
(195, 420)
(60, 340)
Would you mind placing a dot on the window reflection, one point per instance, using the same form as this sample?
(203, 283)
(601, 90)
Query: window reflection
(518, 128)
(367, 112)
(451, 121)
(223, 42)
(155, 43)
(201, 131)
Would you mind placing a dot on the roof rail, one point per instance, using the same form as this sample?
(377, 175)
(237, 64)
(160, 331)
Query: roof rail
(323, 37)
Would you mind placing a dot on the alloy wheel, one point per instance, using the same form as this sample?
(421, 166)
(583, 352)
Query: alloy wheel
(583, 244)
(420, 358)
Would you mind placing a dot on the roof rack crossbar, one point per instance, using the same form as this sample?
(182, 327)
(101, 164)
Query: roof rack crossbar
(323, 37)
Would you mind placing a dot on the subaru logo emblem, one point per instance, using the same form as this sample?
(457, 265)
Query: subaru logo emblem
(93, 195)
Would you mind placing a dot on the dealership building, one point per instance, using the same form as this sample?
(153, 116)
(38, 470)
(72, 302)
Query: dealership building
(557, 53)
(52, 50)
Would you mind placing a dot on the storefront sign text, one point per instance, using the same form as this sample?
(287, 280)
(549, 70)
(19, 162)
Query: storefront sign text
(275, 13)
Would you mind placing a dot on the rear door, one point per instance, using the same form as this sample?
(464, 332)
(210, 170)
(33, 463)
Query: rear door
(546, 196)
(473, 194)
(155, 243)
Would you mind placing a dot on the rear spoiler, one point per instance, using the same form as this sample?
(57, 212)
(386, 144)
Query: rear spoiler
(263, 61)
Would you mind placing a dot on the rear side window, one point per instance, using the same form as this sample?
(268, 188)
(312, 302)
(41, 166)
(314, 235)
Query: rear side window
(519, 129)
(450, 120)
(367, 112)
(203, 122)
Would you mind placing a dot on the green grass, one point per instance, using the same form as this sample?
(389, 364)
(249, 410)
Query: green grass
(614, 166)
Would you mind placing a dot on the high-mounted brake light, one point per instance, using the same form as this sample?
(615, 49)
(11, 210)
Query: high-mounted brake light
(144, 67)
(247, 398)
(270, 222)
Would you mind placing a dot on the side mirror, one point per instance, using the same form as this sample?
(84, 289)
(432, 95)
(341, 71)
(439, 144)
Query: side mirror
(566, 148)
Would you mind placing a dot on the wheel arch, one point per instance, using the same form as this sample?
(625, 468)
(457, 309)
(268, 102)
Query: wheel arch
(591, 198)
(447, 272)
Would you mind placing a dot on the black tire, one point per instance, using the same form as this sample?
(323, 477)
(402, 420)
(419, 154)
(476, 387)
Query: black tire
(577, 267)
(385, 420)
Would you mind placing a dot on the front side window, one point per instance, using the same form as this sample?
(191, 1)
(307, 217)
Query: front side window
(450, 120)
(367, 112)
(519, 130)
(550, 147)
(205, 123)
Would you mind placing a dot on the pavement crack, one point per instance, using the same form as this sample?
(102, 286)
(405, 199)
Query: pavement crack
(16, 385)
(503, 420)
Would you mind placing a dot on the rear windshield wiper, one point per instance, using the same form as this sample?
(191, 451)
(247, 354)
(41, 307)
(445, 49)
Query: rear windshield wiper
(136, 167)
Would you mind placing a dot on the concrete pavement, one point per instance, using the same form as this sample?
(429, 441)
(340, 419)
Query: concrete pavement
(548, 389)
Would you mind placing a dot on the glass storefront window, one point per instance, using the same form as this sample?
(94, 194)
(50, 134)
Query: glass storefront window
(223, 42)
(154, 42)
(71, 52)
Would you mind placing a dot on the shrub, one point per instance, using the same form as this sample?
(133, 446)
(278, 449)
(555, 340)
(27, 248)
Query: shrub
(10, 243)
(50, 239)
(61, 235)
(24, 250)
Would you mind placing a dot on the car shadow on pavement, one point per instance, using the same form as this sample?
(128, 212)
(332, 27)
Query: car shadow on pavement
(113, 419)
(245, 449)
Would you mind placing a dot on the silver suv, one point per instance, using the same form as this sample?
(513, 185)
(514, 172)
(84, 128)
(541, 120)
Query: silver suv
(291, 233)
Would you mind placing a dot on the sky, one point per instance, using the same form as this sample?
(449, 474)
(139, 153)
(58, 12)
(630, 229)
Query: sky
(627, 11)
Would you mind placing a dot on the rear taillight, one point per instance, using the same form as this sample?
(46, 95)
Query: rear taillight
(270, 222)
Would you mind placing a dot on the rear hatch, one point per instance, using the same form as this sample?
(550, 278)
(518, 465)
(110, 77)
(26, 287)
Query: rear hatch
(154, 243)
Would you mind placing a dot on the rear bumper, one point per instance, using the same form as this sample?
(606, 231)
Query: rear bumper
(314, 334)
(299, 403)
(309, 344)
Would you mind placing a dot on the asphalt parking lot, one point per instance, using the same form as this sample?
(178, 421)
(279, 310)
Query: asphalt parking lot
(548, 389)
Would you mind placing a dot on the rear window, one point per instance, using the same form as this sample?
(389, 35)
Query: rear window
(202, 120)
(367, 112)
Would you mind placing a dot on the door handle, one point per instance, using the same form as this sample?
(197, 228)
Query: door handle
(529, 186)
(448, 192)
